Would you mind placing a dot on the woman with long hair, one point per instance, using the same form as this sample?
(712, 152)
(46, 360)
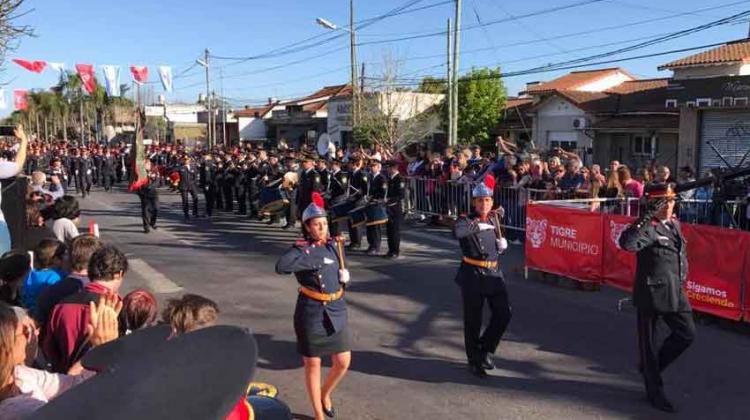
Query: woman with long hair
(320, 317)
(23, 389)
(67, 215)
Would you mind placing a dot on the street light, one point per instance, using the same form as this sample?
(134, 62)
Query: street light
(353, 57)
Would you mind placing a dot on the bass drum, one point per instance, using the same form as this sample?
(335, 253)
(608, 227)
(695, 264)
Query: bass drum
(266, 408)
(340, 211)
(376, 214)
(272, 200)
(358, 216)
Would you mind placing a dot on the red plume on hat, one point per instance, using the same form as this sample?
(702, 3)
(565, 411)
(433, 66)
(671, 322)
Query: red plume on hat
(489, 181)
(318, 200)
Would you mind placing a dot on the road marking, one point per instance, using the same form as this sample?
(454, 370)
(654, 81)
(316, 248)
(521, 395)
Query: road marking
(156, 281)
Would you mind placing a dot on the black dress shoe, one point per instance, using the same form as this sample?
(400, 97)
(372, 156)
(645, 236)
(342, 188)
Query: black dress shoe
(154, 227)
(486, 362)
(372, 252)
(477, 371)
(329, 412)
(660, 402)
(146, 230)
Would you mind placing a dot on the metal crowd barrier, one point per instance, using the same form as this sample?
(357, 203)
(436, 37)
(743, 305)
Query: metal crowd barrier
(439, 198)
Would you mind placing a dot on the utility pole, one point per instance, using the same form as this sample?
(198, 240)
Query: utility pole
(208, 100)
(223, 111)
(362, 79)
(353, 59)
(449, 98)
(456, 65)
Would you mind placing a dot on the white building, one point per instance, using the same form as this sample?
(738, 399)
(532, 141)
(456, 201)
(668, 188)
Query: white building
(251, 122)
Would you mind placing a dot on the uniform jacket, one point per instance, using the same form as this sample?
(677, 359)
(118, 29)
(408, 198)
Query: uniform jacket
(309, 182)
(661, 267)
(317, 268)
(479, 245)
(339, 186)
(396, 189)
(360, 184)
(187, 178)
(378, 187)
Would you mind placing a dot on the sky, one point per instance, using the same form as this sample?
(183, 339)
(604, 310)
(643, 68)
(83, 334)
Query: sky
(176, 32)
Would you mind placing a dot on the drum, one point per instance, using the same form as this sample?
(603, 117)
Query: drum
(340, 212)
(272, 200)
(376, 214)
(358, 216)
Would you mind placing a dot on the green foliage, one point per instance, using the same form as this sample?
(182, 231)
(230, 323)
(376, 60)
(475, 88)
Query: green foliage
(433, 85)
(481, 97)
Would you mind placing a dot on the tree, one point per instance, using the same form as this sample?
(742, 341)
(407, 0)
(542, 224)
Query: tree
(433, 85)
(10, 33)
(394, 117)
(481, 98)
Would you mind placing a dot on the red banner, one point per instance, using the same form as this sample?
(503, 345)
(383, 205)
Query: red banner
(20, 99)
(564, 241)
(86, 72)
(33, 66)
(619, 267)
(717, 260)
(140, 74)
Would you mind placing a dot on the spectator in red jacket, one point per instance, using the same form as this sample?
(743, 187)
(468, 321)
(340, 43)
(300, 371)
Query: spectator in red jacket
(65, 339)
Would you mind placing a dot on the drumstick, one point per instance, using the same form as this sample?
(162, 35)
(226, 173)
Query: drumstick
(339, 245)
(498, 230)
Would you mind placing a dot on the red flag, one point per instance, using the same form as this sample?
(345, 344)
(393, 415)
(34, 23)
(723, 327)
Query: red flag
(140, 74)
(35, 66)
(20, 99)
(86, 73)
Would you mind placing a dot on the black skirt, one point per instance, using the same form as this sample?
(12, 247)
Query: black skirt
(314, 344)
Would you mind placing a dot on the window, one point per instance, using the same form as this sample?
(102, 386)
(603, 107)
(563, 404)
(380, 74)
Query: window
(568, 146)
(671, 103)
(740, 101)
(716, 103)
(703, 102)
(644, 145)
(727, 101)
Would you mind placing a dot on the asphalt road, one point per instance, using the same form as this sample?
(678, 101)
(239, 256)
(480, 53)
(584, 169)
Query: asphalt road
(568, 354)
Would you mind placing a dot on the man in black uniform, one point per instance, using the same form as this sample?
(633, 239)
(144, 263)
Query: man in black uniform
(396, 194)
(228, 184)
(208, 182)
(309, 182)
(661, 269)
(149, 197)
(338, 190)
(481, 279)
(97, 158)
(252, 183)
(108, 170)
(359, 183)
(187, 186)
(84, 172)
(378, 192)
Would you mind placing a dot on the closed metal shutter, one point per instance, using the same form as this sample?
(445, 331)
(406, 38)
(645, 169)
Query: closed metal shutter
(729, 132)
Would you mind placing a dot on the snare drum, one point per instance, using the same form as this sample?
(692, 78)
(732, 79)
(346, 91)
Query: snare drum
(340, 211)
(358, 216)
(272, 200)
(376, 214)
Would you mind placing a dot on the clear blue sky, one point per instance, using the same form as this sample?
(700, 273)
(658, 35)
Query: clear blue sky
(176, 32)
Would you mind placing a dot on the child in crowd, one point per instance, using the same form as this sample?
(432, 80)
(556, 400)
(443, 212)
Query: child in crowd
(189, 313)
(49, 256)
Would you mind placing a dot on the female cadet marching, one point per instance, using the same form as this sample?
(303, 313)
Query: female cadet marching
(481, 279)
(320, 316)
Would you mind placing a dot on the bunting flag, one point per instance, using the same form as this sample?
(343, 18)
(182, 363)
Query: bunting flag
(20, 100)
(165, 73)
(32, 66)
(111, 79)
(140, 74)
(86, 72)
(60, 68)
(3, 102)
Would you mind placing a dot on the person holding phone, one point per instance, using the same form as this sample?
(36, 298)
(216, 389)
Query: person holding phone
(10, 169)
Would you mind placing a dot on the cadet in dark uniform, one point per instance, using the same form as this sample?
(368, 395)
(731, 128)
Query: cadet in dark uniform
(97, 158)
(149, 196)
(309, 182)
(187, 186)
(84, 172)
(320, 316)
(338, 189)
(108, 170)
(661, 269)
(359, 183)
(396, 194)
(228, 185)
(378, 193)
(207, 183)
(481, 279)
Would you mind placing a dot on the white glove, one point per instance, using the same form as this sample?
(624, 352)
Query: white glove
(344, 276)
(485, 226)
(327, 261)
(502, 245)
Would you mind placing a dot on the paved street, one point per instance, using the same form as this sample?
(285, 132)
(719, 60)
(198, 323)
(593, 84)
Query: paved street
(568, 354)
